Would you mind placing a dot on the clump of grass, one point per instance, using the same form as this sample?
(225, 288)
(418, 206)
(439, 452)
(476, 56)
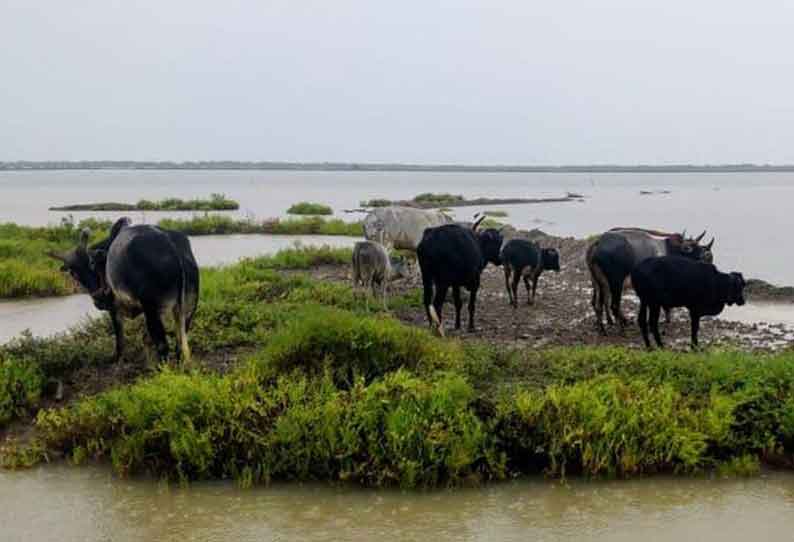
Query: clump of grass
(308, 208)
(376, 202)
(210, 224)
(21, 384)
(216, 202)
(495, 213)
(350, 347)
(439, 200)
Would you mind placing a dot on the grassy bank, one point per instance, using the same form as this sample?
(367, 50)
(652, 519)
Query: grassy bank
(320, 389)
(308, 208)
(26, 270)
(216, 202)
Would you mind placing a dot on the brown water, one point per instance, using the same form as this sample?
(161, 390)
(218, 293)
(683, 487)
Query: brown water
(88, 504)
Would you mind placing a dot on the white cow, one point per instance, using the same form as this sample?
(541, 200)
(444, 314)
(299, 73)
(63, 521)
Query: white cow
(401, 227)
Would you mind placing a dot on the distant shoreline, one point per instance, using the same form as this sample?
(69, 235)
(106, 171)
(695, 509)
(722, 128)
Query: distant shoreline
(354, 166)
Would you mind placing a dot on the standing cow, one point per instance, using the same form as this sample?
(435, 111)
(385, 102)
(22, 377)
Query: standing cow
(522, 258)
(674, 281)
(452, 255)
(372, 266)
(137, 270)
(401, 227)
(613, 256)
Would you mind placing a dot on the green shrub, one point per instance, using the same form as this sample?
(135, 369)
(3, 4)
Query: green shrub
(350, 346)
(308, 208)
(439, 200)
(21, 383)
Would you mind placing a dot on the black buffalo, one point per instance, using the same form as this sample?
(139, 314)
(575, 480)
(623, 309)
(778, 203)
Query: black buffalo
(453, 255)
(615, 253)
(675, 281)
(522, 258)
(137, 270)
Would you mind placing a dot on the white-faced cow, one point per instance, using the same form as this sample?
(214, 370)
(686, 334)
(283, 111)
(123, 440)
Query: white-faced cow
(137, 270)
(453, 255)
(674, 281)
(522, 258)
(615, 253)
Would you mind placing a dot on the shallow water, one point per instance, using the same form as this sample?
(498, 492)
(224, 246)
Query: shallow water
(63, 504)
(47, 316)
(748, 212)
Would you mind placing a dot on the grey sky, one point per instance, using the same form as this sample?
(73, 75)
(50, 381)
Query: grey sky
(507, 82)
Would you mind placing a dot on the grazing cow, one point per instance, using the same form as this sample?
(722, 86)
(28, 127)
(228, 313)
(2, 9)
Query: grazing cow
(372, 266)
(451, 255)
(675, 281)
(139, 269)
(522, 258)
(401, 227)
(614, 254)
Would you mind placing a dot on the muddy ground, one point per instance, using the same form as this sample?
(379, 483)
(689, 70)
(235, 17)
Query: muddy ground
(562, 314)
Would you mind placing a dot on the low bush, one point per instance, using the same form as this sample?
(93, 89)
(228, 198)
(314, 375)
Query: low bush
(308, 208)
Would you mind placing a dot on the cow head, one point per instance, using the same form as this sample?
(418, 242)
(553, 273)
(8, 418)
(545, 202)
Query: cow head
(80, 263)
(550, 259)
(691, 247)
(736, 293)
(491, 246)
(87, 267)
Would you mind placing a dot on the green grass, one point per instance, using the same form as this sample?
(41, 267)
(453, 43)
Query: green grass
(495, 213)
(324, 390)
(308, 208)
(216, 202)
(219, 225)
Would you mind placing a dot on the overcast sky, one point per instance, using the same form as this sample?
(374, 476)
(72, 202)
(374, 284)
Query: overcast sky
(510, 82)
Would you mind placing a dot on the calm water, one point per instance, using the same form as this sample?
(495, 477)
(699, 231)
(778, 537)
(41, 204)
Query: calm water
(87, 504)
(750, 213)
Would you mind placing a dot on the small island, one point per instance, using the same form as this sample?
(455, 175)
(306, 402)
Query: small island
(308, 208)
(429, 200)
(216, 202)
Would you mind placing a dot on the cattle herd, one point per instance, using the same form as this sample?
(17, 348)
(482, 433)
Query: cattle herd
(147, 270)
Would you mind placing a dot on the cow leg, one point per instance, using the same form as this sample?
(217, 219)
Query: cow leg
(643, 320)
(180, 321)
(695, 322)
(597, 301)
(616, 290)
(384, 291)
(514, 287)
(438, 304)
(473, 304)
(154, 324)
(458, 305)
(118, 332)
(433, 318)
(507, 285)
(535, 278)
(656, 311)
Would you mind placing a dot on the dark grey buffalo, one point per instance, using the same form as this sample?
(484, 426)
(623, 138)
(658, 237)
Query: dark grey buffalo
(613, 256)
(522, 258)
(137, 270)
(453, 255)
(675, 281)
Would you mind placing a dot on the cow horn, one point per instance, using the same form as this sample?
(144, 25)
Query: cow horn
(85, 235)
(711, 243)
(477, 223)
(683, 234)
(701, 236)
